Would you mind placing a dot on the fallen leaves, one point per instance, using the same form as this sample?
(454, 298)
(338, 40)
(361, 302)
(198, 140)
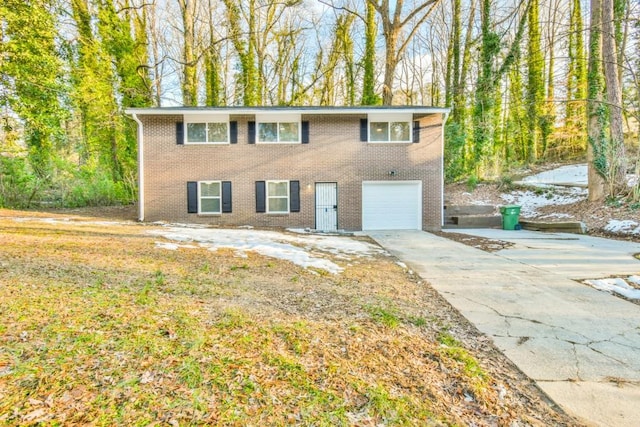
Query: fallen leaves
(99, 327)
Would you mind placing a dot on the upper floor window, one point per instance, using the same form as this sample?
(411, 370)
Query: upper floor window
(390, 128)
(207, 129)
(278, 128)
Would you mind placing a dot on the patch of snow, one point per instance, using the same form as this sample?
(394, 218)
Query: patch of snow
(402, 264)
(570, 174)
(617, 285)
(531, 201)
(632, 179)
(625, 227)
(299, 230)
(634, 279)
(305, 251)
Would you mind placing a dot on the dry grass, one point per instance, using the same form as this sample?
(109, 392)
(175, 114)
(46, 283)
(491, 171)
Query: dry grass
(99, 327)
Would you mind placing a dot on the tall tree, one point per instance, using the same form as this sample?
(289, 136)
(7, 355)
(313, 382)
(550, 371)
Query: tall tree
(394, 21)
(535, 82)
(617, 157)
(30, 77)
(575, 111)
(94, 95)
(489, 77)
(596, 151)
(369, 96)
(454, 73)
(213, 69)
(189, 56)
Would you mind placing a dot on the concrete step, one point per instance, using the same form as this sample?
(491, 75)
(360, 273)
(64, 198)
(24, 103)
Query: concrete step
(477, 221)
(575, 227)
(458, 210)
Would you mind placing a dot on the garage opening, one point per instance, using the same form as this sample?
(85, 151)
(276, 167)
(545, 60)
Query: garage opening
(392, 205)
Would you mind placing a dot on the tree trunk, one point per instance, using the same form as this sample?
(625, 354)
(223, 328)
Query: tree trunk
(369, 96)
(595, 108)
(617, 156)
(189, 74)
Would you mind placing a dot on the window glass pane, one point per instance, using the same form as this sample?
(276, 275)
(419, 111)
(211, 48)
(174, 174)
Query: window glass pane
(210, 205)
(400, 131)
(278, 189)
(217, 132)
(196, 132)
(278, 204)
(379, 131)
(267, 132)
(209, 189)
(288, 132)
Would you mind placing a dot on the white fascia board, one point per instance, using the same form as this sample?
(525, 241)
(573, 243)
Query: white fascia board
(283, 111)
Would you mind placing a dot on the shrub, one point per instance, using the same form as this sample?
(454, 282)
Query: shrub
(18, 185)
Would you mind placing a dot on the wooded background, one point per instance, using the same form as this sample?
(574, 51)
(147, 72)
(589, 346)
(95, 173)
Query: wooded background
(527, 81)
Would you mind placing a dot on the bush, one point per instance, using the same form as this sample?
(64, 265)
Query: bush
(472, 182)
(96, 188)
(69, 186)
(18, 185)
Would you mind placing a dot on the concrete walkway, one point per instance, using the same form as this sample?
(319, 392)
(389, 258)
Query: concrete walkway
(580, 345)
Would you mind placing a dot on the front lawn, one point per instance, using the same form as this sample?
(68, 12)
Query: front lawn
(101, 324)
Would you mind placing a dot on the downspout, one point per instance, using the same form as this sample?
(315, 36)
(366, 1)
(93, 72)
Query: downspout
(140, 168)
(444, 123)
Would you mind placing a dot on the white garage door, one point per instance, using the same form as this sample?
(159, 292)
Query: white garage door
(392, 205)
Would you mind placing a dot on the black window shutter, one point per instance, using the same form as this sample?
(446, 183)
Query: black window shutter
(416, 132)
(252, 132)
(260, 197)
(305, 132)
(364, 134)
(192, 197)
(294, 194)
(180, 133)
(226, 196)
(233, 132)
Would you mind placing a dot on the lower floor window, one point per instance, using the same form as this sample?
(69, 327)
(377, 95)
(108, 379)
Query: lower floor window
(209, 197)
(278, 196)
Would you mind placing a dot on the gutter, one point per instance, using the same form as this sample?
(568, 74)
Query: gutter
(445, 117)
(140, 167)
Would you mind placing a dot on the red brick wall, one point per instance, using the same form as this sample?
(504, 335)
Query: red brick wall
(334, 154)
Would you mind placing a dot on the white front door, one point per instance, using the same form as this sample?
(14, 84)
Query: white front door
(326, 206)
(392, 205)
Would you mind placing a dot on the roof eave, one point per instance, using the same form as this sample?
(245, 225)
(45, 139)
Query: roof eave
(159, 111)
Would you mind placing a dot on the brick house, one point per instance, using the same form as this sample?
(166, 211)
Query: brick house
(324, 168)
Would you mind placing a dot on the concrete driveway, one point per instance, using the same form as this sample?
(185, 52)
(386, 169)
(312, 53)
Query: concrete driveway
(580, 345)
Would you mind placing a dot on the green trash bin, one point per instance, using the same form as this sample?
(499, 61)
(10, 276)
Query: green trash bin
(510, 214)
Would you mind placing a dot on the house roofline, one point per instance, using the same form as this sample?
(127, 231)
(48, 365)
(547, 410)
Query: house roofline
(159, 111)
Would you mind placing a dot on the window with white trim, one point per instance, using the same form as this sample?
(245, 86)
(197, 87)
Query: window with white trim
(390, 127)
(207, 129)
(273, 129)
(277, 193)
(209, 197)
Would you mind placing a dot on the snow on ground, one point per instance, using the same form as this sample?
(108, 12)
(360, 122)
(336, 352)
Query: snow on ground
(530, 201)
(623, 227)
(618, 286)
(306, 250)
(570, 174)
(554, 188)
